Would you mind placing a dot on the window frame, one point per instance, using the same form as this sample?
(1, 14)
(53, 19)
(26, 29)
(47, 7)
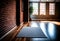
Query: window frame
(39, 6)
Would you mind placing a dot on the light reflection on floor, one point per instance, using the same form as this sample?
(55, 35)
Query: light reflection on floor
(54, 22)
(34, 24)
(51, 30)
(48, 28)
(43, 27)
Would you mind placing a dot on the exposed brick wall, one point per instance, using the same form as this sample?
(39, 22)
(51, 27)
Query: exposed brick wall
(21, 12)
(7, 16)
(21, 17)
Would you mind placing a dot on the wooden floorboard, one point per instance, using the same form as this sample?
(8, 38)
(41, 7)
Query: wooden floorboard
(12, 36)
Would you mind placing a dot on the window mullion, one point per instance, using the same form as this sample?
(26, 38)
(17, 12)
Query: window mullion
(38, 8)
(47, 8)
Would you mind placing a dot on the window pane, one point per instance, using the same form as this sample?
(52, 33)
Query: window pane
(35, 9)
(42, 8)
(51, 9)
(35, 5)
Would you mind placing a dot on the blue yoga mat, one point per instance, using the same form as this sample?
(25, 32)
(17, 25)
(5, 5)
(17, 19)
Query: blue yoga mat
(31, 32)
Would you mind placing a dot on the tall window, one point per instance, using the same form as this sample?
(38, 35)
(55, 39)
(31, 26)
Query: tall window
(35, 9)
(42, 8)
(51, 9)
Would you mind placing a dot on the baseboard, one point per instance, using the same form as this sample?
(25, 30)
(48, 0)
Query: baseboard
(8, 32)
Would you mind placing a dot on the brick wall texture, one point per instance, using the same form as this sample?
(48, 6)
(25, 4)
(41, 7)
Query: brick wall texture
(7, 16)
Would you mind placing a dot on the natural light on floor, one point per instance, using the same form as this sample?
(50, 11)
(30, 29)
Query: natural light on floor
(48, 28)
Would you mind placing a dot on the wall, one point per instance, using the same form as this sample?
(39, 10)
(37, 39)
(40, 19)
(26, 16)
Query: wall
(57, 0)
(21, 11)
(58, 10)
(25, 10)
(7, 16)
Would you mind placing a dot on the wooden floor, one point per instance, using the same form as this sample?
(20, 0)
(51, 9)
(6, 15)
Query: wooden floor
(12, 35)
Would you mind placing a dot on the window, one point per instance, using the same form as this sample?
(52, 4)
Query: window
(51, 9)
(35, 9)
(42, 8)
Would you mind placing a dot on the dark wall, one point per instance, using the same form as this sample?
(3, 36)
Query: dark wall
(7, 16)
(18, 12)
(25, 10)
(57, 0)
(58, 10)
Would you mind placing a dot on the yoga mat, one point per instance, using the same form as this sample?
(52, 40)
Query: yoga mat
(31, 32)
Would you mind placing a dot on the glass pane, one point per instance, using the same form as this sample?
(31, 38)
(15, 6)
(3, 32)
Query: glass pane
(42, 8)
(35, 9)
(51, 9)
